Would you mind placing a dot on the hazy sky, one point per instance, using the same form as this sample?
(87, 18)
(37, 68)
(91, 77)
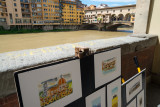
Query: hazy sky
(111, 3)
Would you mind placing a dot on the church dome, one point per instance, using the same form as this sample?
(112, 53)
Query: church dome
(61, 81)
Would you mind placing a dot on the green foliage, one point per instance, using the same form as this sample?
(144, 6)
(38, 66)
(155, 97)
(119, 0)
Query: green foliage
(1, 28)
(21, 31)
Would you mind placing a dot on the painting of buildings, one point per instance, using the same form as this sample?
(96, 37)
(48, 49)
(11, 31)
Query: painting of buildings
(55, 89)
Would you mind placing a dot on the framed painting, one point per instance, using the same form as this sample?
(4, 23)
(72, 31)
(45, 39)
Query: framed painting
(97, 99)
(107, 66)
(132, 104)
(114, 94)
(133, 87)
(140, 99)
(54, 85)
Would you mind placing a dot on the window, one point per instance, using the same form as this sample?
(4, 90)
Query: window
(128, 9)
(15, 4)
(15, 10)
(113, 10)
(16, 15)
(14, 0)
(121, 10)
(39, 5)
(18, 21)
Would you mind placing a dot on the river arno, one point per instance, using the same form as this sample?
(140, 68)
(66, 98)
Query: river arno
(15, 42)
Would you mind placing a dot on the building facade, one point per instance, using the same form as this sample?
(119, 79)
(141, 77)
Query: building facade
(40, 12)
(110, 14)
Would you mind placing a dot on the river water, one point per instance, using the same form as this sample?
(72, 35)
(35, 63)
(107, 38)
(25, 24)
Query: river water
(14, 42)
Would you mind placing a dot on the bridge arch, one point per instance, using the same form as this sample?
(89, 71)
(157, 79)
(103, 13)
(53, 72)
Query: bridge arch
(120, 17)
(113, 17)
(128, 17)
(89, 27)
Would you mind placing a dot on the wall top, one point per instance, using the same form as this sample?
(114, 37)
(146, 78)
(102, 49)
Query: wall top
(17, 60)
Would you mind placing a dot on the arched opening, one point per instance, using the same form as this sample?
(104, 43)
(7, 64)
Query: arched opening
(132, 17)
(120, 17)
(128, 17)
(113, 17)
(89, 27)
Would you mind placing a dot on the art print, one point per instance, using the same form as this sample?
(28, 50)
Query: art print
(55, 89)
(96, 102)
(51, 86)
(107, 66)
(114, 94)
(140, 99)
(97, 99)
(133, 87)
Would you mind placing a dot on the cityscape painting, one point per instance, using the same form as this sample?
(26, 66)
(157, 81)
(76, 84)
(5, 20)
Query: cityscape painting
(107, 66)
(133, 87)
(55, 89)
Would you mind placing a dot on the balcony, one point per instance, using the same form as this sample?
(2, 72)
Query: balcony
(25, 2)
(3, 11)
(3, 0)
(3, 6)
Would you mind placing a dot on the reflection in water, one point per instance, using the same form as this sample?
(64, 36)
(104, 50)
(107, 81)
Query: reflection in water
(14, 42)
(125, 29)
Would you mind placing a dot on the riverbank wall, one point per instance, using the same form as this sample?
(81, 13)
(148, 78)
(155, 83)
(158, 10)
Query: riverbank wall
(41, 27)
(142, 46)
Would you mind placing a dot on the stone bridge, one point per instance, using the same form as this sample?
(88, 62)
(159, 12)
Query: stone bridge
(112, 26)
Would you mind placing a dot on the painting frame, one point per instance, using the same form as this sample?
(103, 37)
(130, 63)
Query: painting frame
(49, 71)
(133, 87)
(107, 66)
(140, 99)
(114, 93)
(97, 99)
(132, 103)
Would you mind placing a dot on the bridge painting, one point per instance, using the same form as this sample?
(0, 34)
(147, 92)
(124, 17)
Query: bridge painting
(109, 18)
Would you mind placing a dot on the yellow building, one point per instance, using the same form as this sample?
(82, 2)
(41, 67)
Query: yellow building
(71, 13)
(45, 12)
(41, 12)
(80, 15)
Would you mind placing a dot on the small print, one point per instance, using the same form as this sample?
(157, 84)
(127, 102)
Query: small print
(134, 87)
(55, 89)
(115, 97)
(109, 65)
(96, 102)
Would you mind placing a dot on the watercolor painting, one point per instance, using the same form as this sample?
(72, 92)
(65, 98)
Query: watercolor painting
(115, 97)
(114, 94)
(140, 99)
(96, 102)
(109, 65)
(97, 99)
(133, 88)
(55, 89)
